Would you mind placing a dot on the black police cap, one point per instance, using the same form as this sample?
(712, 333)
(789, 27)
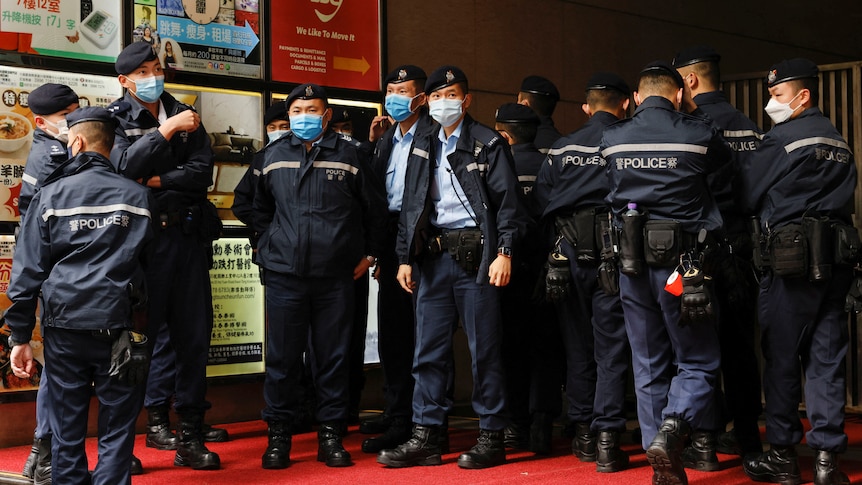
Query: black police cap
(278, 111)
(694, 54)
(133, 56)
(340, 115)
(540, 85)
(407, 72)
(789, 70)
(50, 98)
(444, 76)
(89, 113)
(516, 113)
(608, 80)
(662, 67)
(306, 91)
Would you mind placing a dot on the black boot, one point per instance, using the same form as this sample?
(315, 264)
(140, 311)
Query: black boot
(609, 457)
(701, 454)
(423, 448)
(214, 435)
(740, 442)
(376, 425)
(136, 467)
(191, 450)
(277, 454)
(665, 452)
(489, 451)
(42, 470)
(584, 443)
(329, 447)
(159, 434)
(517, 436)
(399, 431)
(826, 470)
(778, 465)
(32, 458)
(541, 431)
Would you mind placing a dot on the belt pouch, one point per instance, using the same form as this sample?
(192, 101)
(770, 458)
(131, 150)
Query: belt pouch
(663, 246)
(820, 247)
(585, 226)
(847, 244)
(632, 245)
(789, 252)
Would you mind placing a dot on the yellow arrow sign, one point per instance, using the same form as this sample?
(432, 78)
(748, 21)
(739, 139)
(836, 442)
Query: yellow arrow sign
(350, 64)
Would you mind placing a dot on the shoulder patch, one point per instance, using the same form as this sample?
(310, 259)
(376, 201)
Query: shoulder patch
(119, 106)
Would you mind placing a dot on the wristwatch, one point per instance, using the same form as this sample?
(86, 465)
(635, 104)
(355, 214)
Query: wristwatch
(371, 259)
(504, 251)
(13, 342)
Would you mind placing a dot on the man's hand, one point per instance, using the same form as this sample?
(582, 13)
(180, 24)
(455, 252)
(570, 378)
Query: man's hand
(500, 271)
(405, 277)
(379, 125)
(361, 268)
(187, 120)
(22, 362)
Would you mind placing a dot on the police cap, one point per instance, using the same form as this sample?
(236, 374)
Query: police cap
(306, 91)
(89, 113)
(133, 56)
(789, 70)
(608, 80)
(340, 116)
(50, 98)
(694, 54)
(516, 113)
(541, 86)
(407, 72)
(278, 111)
(662, 67)
(444, 76)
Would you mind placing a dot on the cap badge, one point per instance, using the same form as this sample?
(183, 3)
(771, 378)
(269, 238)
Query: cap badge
(771, 76)
(402, 74)
(309, 91)
(449, 76)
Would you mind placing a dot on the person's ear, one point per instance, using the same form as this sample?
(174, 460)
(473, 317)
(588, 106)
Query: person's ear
(586, 109)
(468, 98)
(637, 97)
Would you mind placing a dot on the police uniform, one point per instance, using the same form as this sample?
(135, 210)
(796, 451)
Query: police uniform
(547, 133)
(180, 300)
(83, 246)
(659, 159)
(473, 224)
(803, 167)
(736, 288)
(319, 213)
(572, 185)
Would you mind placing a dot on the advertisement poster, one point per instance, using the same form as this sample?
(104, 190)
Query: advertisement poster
(8, 381)
(210, 36)
(72, 29)
(328, 42)
(17, 125)
(238, 332)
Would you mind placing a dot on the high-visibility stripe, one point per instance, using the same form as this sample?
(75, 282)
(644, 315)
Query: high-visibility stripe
(572, 148)
(140, 131)
(816, 140)
(422, 153)
(742, 134)
(655, 147)
(544, 151)
(95, 209)
(477, 166)
(336, 165)
(277, 165)
(29, 179)
(526, 178)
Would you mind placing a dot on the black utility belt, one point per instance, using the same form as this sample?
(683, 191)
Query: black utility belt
(464, 245)
(587, 231)
(810, 248)
(657, 243)
(107, 335)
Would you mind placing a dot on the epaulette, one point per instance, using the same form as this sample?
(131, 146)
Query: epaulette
(119, 106)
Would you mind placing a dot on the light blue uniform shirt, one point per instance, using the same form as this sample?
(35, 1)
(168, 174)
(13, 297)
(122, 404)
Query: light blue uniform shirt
(452, 209)
(396, 171)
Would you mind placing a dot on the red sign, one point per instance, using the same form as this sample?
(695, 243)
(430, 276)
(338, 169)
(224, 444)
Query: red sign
(328, 42)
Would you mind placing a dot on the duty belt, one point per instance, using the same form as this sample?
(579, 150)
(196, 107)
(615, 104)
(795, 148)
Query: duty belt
(441, 242)
(107, 334)
(171, 218)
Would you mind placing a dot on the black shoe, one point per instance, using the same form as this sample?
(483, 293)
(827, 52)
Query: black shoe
(609, 457)
(191, 450)
(136, 467)
(737, 442)
(701, 454)
(376, 425)
(279, 440)
(42, 470)
(665, 452)
(517, 436)
(32, 458)
(541, 431)
(778, 465)
(159, 434)
(489, 451)
(422, 449)
(329, 447)
(826, 470)
(584, 443)
(214, 435)
(398, 433)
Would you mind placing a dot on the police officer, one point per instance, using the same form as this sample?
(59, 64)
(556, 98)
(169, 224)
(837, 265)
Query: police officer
(802, 178)
(84, 245)
(342, 122)
(405, 104)
(572, 188)
(460, 218)
(657, 162)
(736, 288)
(532, 355)
(320, 213)
(542, 96)
(162, 143)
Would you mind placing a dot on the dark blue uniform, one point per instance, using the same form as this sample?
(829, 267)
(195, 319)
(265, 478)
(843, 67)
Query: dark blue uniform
(547, 134)
(180, 299)
(482, 165)
(46, 154)
(803, 165)
(82, 243)
(592, 322)
(660, 159)
(318, 214)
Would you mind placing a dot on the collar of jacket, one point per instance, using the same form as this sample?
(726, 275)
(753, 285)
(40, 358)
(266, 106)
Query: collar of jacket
(655, 102)
(137, 108)
(328, 140)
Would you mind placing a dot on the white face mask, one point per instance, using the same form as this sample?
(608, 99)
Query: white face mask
(780, 112)
(446, 111)
(62, 131)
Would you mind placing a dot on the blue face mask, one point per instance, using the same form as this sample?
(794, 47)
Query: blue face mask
(306, 126)
(398, 106)
(275, 135)
(149, 89)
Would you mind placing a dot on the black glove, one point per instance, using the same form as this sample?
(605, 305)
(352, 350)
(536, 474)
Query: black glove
(853, 302)
(696, 300)
(130, 359)
(558, 282)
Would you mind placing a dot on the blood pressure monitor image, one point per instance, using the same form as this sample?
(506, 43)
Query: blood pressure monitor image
(99, 27)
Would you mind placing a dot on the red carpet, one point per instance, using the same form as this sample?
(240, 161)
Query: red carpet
(241, 464)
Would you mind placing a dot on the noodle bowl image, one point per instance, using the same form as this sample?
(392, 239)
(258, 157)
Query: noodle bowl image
(15, 131)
